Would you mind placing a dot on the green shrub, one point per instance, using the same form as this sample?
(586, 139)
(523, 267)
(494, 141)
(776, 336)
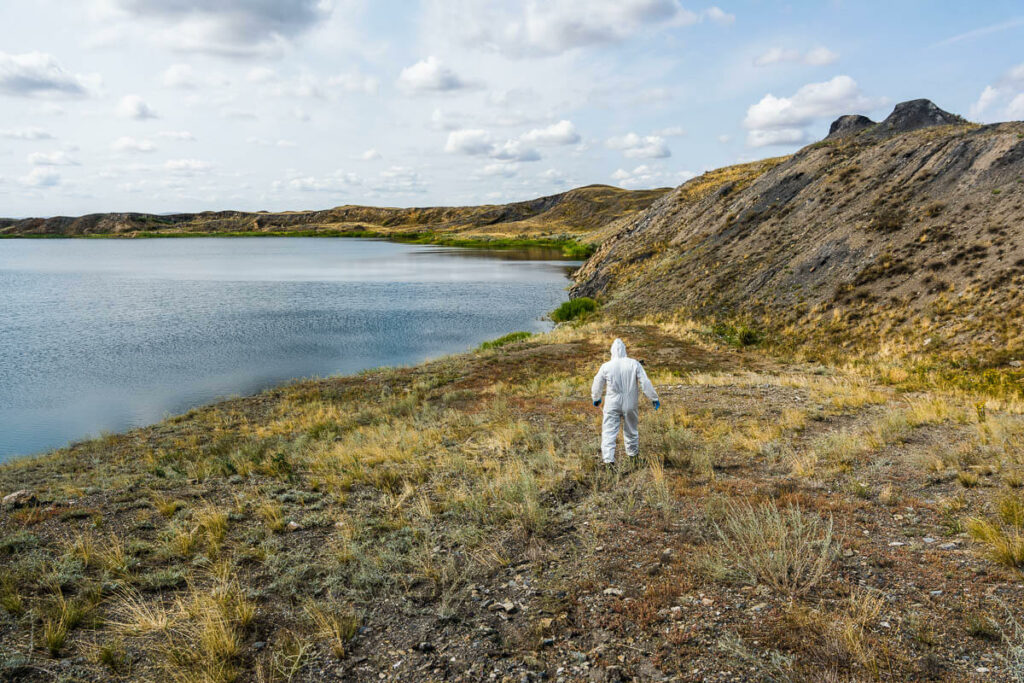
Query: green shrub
(507, 339)
(574, 309)
(738, 334)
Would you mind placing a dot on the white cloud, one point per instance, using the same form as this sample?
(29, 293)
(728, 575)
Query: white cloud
(187, 167)
(514, 150)
(182, 135)
(671, 132)
(1015, 109)
(430, 76)
(261, 74)
(817, 56)
(38, 74)
(499, 169)
(640, 147)
(370, 155)
(646, 176)
(783, 120)
(719, 16)
(1004, 100)
(561, 133)
(539, 29)
(262, 142)
(776, 136)
(355, 82)
(179, 76)
(232, 28)
(478, 142)
(134, 107)
(554, 176)
(25, 134)
(51, 159)
(473, 141)
(439, 120)
(725, 139)
(41, 177)
(130, 144)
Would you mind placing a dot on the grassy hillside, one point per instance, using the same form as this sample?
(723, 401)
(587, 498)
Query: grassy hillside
(563, 219)
(449, 522)
(906, 241)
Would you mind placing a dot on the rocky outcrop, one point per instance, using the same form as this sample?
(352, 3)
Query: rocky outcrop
(848, 125)
(913, 115)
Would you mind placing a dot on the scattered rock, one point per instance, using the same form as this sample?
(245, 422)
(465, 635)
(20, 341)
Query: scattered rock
(425, 647)
(617, 592)
(294, 526)
(1016, 363)
(948, 546)
(666, 556)
(928, 539)
(19, 499)
(259, 645)
(707, 602)
(508, 607)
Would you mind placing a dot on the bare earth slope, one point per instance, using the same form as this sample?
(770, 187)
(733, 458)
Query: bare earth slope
(911, 230)
(569, 215)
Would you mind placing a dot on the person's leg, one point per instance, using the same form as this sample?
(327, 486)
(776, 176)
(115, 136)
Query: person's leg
(609, 434)
(631, 432)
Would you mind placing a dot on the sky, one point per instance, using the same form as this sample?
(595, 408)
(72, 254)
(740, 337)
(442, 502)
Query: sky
(189, 105)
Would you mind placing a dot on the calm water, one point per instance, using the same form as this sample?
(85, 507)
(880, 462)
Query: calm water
(108, 334)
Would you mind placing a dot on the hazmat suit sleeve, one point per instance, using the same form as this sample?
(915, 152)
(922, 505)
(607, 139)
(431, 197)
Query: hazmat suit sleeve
(645, 383)
(597, 388)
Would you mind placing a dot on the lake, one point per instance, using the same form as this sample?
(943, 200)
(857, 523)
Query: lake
(104, 335)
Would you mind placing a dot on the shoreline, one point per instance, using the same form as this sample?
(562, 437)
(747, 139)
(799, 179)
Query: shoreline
(570, 248)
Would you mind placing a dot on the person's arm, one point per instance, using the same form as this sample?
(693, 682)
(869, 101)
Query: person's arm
(597, 388)
(645, 384)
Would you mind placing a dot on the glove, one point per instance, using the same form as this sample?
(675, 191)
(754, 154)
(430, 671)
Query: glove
(597, 402)
(657, 404)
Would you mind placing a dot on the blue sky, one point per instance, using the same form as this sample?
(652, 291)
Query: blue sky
(185, 105)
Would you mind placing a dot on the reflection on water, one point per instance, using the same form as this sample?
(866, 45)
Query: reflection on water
(108, 334)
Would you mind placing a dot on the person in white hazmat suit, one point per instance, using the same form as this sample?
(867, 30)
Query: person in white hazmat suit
(623, 378)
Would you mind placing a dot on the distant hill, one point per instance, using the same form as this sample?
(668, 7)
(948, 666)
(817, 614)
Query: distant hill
(572, 215)
(906, 234)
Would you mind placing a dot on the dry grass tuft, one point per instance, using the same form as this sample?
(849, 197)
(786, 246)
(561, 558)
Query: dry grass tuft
(787, 549)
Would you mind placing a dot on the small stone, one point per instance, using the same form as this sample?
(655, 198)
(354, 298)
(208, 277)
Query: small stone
(982, 669)
(617, 592)
(947, 546)
(19, 498)
(759, 607)
(236, 479)
(928, 539)
(1016, 363)
(896, 544)
(885, 624)
(666, 556)
(936, 593)
(425, 647)
(707, 602)
(847, 553)
(547, 642)
(294, 526)
(259, 645)
(599, 548)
